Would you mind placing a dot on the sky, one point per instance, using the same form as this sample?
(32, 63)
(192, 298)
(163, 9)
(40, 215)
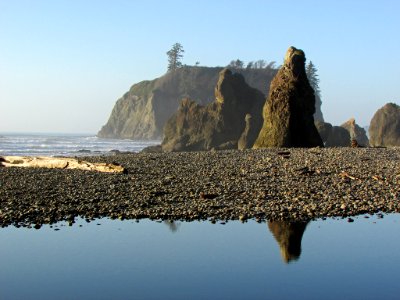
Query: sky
(64, 63)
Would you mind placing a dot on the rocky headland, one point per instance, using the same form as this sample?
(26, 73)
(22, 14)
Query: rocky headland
(142, 112)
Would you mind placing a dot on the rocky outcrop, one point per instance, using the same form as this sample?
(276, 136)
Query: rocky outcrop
(219, 124)
(248, 136)
(318, 116)
(339, 137)
(356, 132)
(324, 130)
(143, 111)
(152, 149)
(289, 109)
(384, 129)
(347, 135)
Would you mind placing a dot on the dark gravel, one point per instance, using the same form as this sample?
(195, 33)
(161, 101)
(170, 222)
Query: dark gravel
(296, 184)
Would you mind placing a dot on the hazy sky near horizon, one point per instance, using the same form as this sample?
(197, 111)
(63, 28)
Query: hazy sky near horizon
(64, 63)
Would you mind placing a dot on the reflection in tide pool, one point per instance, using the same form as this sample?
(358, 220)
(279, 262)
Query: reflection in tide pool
(288, 235)
(108, 259)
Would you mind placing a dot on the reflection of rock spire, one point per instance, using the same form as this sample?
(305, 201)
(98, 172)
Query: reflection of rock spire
(288, 235)
(173, 226)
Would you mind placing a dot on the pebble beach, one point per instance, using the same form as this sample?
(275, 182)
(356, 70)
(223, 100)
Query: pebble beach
(218, 186)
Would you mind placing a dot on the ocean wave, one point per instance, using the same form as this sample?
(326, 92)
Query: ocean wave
(67, 145)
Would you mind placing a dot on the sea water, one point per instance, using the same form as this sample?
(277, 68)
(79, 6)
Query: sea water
(112, 259)
(30, 144)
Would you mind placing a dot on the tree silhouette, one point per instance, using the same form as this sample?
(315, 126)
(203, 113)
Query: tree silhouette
(236, 64)
(312, 76)
(174, 57)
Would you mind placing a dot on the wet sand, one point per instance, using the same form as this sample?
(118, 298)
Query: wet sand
(273, 184)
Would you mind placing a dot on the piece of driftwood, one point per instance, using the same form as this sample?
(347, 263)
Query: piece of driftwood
(58, 163)
(347, 175)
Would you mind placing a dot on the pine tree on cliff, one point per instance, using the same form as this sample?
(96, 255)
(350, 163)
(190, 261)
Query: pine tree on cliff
(313, 79)
(174, 57)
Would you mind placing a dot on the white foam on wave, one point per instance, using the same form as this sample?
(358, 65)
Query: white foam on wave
(67, 145)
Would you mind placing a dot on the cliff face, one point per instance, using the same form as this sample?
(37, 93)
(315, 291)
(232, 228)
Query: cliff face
(219, 124)
(384, 129)
(143, 111)
(289, 109)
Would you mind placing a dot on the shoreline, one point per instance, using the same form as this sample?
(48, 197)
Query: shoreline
(267, 184)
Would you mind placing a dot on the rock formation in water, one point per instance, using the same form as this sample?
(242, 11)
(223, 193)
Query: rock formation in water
(356, 132)
(384, 129)
(289, 109)
(143, 111)
(236, 111)
(288, 235)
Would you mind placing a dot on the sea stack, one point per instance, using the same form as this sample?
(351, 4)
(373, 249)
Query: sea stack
(220, 124)
(339, 137)
(384, 129)
(356, 132)
(290, 106)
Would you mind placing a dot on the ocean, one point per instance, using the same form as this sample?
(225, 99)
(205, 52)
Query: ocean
(38, 144)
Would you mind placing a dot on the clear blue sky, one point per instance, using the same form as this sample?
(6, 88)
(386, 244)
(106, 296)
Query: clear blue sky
(63, 64)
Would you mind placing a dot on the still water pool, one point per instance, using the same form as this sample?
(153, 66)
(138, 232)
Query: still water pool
(109, 259)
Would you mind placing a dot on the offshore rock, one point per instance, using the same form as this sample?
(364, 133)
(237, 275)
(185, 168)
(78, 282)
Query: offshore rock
(384, 129)
(324, 130)
(356, 132)
(336, 136)
(220, 124)
(339, 137)
(289, 109)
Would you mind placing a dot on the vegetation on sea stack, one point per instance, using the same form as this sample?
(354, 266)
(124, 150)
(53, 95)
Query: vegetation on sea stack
(174, 57)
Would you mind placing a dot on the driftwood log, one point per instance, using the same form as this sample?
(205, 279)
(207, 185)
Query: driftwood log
(58, 163)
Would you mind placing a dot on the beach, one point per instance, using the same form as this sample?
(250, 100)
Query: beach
(265, 184)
